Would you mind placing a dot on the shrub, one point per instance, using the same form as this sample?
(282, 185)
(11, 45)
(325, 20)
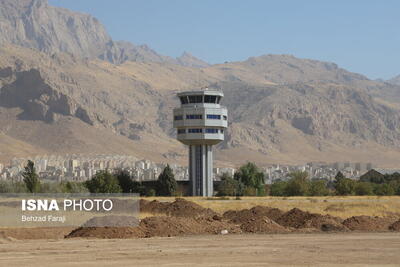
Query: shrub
(250, 176)
(364, 189)
(249, 191)
(318, 188)
(125, 181)
(228, 186)
(345, 187)
(384, 190)
(103, 182)
(278, 189)
(73, 187)
(298, 185)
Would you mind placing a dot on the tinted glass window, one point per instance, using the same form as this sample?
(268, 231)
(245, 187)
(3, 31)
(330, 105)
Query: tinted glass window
(218, 99)
(194, 117)
(210, 130)
(195, 130)
(184, 99)
(195, 99)
(213, 117)
(181, 131)
(210, 99)
(178, 118)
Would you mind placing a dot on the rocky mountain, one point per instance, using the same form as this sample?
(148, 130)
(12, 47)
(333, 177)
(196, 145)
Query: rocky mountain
(59, 96)
(36, 24)
(395, 80)
(189, 60)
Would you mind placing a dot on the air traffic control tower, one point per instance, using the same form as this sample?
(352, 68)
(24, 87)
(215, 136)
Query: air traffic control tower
(200, 123)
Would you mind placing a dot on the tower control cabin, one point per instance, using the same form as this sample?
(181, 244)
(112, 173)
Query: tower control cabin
(200, 123)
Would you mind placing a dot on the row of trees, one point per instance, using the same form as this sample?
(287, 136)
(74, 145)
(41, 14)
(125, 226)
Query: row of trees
(247, 181)
(102, 182)
(122, 182)
(300, 185)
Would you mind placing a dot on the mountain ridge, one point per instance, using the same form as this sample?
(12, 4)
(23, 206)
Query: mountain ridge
(36, 24)
(282, 109)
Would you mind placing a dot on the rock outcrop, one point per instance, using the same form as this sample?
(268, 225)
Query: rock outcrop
(37, 99)
(36, 24)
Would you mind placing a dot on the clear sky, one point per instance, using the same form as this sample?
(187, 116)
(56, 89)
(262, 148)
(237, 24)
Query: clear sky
(360, 35)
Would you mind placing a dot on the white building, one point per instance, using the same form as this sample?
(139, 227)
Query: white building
(201, 122)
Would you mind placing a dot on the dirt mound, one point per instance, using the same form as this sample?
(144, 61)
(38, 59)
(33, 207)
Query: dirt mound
(152, 206)
(262, 225)
(238, 216)
(395, 226)
(161, 226)
(271, 213)
(298, 219)
(107, 232)
(257, 212)
(368, 223)
(179, 208)
(183, 208)
(167, 226)
(112, 221)
(176, 226)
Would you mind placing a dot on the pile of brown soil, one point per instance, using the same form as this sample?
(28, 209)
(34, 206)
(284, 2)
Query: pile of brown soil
(256, 212)
(298, 219)
(154, 206)
(167, 226)
(112, 221)
(176, 226)
(179, 208)
(183, 217)
(106, 232)
(262, 225)
(159, 226)
(368, 223)
(183, 208)
(395, 226)
(238, 216)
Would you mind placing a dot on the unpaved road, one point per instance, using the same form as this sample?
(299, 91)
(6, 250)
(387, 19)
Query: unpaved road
(349, 249)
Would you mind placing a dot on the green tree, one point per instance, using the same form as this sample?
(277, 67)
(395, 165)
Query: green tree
(73, 187)
(6, 187)
(103, 182)
(345, 187)
(278, 189)
(251, 176)
(125, 181)
(318, 188)
(166, 184)
(31, 179)
(384, 190)
(228, 186)
(339, 176)
(364, 189)
(298, 185)
(396, 186)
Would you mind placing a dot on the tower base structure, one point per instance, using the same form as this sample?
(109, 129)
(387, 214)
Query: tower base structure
(201, 170)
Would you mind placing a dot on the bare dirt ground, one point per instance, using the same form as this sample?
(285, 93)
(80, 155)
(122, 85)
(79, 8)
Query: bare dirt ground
(322, 249)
